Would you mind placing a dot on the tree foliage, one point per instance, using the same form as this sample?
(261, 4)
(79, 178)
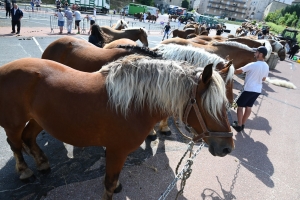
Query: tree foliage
(185, 4)
(288, 16)
(145, 2)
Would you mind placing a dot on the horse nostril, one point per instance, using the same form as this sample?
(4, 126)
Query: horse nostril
(226, 150)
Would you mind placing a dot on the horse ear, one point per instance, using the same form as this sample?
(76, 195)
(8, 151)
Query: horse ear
(227, 58)
(207, 73)
(264, 44)
(121, 21)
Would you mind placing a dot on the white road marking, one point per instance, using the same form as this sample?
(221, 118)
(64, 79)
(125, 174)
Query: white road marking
(38, 44)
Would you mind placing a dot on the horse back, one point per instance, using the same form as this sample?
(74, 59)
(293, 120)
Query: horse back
(80, 54)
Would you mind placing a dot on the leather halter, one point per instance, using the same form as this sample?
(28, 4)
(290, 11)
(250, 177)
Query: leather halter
(192, 103)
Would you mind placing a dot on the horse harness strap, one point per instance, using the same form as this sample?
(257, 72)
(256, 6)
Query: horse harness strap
(192, 103)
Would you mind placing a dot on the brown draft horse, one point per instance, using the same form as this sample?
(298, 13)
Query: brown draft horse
(151, 18)
(121, 24)
(134, 34)
(182, 33)
(92, 109)
(82, 55)
(171, 17)
(73, 53)
(241, 54)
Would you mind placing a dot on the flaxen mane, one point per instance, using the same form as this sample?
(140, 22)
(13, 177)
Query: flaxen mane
(234, 44)
(118, 24)
(163, 85)
(193, 55)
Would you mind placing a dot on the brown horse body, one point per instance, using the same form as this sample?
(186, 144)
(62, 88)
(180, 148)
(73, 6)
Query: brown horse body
(183, 33)
(69, 47)
(134, 34)
(73, 106)
(73, 52)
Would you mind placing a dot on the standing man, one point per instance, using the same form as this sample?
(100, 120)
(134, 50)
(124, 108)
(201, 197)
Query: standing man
(166, 30)
(16, 15)
(69, 16)
(294, 50)
(77, 15)
(257, 72)
(145, 17)
(8, 8)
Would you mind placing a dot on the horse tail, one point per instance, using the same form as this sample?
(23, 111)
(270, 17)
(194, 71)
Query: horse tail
(282, 83)
(140, 50)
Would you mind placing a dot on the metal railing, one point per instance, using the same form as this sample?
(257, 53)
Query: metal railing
(54, 24)
(85, 24)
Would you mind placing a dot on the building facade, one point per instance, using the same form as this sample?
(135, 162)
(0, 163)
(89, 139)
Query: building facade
(234, 9)
(272, 7)
(163, 5)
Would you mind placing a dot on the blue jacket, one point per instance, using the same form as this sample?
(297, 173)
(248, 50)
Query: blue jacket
(17, 16)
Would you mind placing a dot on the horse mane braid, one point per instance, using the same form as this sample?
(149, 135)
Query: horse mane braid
(140, 50)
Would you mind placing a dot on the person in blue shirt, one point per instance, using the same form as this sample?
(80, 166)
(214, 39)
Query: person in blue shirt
(166, 30)
(16, 16)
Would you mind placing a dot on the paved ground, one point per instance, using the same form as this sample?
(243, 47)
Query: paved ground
(264, 164)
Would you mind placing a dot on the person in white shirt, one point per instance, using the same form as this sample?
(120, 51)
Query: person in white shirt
(145, 17)
(77, 15)
(61, 20)
(69, 16)
(38, 4)
(92, 21)
(95, 12)
(256, 73)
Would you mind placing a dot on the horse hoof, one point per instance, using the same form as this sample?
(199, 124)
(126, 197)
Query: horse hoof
(152, 137)
(26, 174)
(166, 133)
(118, 188)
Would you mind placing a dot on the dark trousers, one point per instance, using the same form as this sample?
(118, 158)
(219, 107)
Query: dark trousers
(292, 54)
(8, 11)
(14, 23)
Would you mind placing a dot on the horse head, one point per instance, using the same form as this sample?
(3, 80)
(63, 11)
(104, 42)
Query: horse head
(143, 37)
(215, 132)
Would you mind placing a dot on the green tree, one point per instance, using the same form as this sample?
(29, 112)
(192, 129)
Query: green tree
(185, 4)
(146, 2)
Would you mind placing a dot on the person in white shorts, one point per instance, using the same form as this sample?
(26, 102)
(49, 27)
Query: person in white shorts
(77, 15)
(69, 16)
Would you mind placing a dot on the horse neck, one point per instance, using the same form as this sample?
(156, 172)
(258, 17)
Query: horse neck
(244, 57)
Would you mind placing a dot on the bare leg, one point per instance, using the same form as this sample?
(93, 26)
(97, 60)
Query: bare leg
(246, 114)
(240, 115)
(29, 135)
(15, 141)
(114, 164)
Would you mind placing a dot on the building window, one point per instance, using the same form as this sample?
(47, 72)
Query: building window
(242, 16)
(207, 10)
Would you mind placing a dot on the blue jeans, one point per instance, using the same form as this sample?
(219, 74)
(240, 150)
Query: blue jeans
(166, 34)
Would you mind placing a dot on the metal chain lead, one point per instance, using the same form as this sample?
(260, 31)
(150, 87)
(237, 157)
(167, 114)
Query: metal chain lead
(184, 174)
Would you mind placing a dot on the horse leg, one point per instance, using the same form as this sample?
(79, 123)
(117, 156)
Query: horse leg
(14, 139)
(115, 160)
(152, 135)
(29, 135)
(164, 128)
